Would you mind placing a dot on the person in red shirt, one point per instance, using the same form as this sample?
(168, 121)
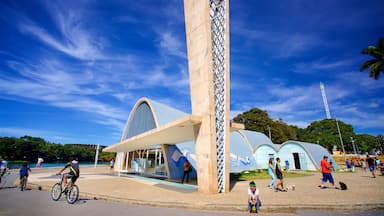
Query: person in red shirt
(326, 171)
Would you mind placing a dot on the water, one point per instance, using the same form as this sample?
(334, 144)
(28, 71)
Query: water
(51, 165)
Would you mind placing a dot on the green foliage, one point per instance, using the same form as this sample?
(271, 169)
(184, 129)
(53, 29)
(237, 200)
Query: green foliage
(28, 148)
(324, 132)
(366, 142)
(259, 120)
(107, 156)
(375, 65)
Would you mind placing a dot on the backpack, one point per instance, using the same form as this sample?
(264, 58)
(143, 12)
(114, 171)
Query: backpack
(343, 186)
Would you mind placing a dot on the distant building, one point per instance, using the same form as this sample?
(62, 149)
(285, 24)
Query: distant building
(94, 146)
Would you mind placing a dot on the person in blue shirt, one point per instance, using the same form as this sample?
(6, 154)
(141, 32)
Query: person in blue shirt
(24, 171)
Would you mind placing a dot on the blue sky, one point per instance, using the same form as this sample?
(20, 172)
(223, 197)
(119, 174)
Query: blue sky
(71, 71)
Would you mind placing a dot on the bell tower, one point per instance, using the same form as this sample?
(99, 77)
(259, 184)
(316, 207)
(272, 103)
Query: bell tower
(207, 33)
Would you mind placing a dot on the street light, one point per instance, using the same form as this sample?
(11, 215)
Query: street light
(355, 149)
(341, 139)
(269, 132)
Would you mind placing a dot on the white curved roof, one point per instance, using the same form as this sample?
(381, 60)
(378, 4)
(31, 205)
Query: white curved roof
(151, 123)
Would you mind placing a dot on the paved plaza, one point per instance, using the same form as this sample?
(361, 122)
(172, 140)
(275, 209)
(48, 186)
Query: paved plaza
(364, 192)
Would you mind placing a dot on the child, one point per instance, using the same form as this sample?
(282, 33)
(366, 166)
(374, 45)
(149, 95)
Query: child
(254, 202)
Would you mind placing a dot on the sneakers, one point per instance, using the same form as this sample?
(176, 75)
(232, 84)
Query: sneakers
(278, 189)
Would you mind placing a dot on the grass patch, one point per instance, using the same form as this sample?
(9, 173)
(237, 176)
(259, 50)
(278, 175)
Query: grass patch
(263, 174)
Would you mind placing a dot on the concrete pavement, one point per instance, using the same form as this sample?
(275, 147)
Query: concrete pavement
(364, 192)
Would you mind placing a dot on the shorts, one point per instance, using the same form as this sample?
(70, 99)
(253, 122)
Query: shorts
(279, 176)
(21, 177)
(372, 168)
(328, 177)
(72, 177)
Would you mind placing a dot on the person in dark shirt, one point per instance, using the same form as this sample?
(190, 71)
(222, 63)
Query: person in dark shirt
(371, 165)
(74, 171)
(187, 170)
(279, 176)
(24, 171)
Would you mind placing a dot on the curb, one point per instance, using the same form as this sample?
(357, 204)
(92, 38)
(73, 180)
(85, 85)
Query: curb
(272, 208)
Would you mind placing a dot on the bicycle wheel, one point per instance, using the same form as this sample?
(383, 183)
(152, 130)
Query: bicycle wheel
(72, 194)
(56, 192)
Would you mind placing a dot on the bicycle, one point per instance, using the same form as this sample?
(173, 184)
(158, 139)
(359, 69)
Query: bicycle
(23, 183)
(71, 191)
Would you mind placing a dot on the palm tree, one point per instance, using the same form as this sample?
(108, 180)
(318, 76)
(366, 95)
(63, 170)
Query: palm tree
(375, 65)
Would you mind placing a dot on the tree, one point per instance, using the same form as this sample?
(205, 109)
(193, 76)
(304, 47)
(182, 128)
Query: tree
(380, 141)
(29, 148)
(365, 142)
(326, 134)
(258, 120)
(376, 65)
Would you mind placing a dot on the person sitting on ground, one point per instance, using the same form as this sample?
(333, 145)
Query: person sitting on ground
(279, 176)
(74, 171)
(254, 201)
(326, 172)
(24, 171)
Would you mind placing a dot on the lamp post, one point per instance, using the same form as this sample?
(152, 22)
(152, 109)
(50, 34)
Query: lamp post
(355, 150)
(341, 139)
(269, 132)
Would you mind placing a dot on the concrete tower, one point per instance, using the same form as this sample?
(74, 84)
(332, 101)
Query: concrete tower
(207, 31)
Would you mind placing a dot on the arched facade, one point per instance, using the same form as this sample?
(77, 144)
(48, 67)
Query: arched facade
(294, 155)
(263, 153)
(249, 150)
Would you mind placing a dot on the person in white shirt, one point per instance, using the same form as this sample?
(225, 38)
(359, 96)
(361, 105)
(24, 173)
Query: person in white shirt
(254, 201)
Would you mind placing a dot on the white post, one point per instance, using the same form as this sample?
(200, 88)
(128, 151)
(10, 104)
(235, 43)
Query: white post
(160, 158)
(341, 139)
(269, 132)
(354, 146)
(127, 161)
(97, 155)
(156, 151)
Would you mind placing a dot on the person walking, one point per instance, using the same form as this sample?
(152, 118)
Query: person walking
(111, 163)
(187, 170)
(371, 165)
(326, 172)
(347, 164)
(363, 165)
(353, 165)
(279, 175)
(271, 173)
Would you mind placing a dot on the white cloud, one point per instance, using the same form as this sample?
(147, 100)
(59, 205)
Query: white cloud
(73, 38)
(322, 65)
(286, 45)
(173, 45)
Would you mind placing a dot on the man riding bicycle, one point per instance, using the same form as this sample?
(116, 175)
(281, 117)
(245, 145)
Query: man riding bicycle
(74, 171)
